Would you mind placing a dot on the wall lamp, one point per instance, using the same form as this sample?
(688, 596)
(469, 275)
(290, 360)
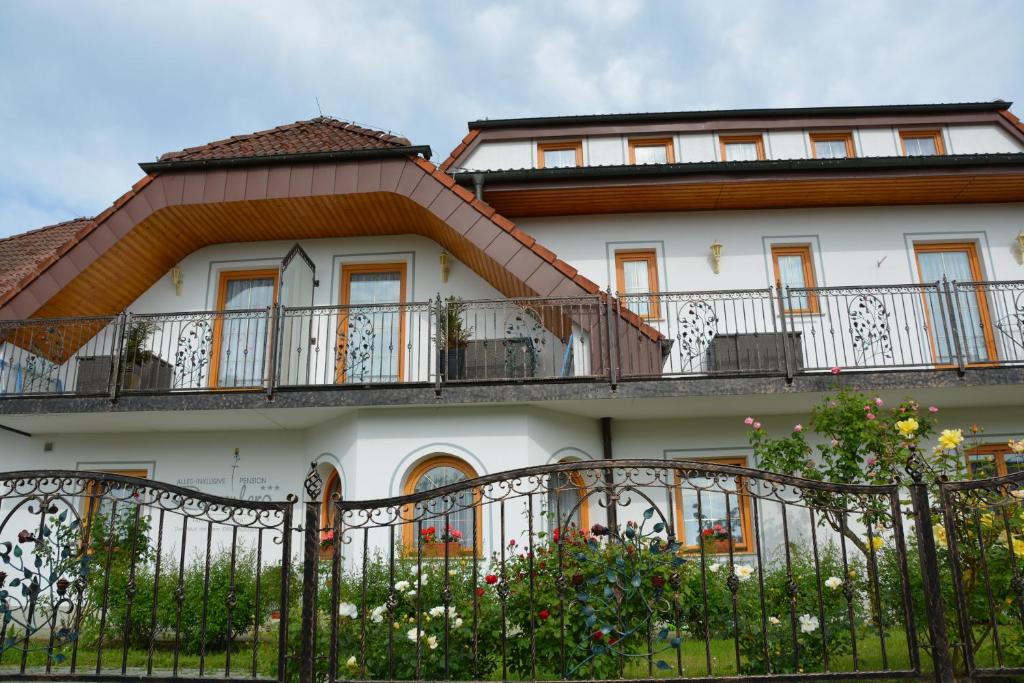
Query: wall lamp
(177, 279)
(716, 256)
(1020, 247)
(445, 268)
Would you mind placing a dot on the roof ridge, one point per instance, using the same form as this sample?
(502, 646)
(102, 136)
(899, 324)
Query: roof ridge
(34, 231)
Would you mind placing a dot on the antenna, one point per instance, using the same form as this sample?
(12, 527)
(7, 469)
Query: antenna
(319, 111)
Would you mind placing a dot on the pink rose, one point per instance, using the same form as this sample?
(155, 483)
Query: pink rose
(872, 461)
(749, 421)
(834, 371)
(878, 402)
(871, 416)
(932, 409)
(867, 408)
(798, 428)
(757, 425)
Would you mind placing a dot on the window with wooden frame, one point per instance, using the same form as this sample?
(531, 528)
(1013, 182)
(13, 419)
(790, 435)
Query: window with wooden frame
(327, 508)
(832, 145)
(710, 503)
(959, 261)
(567, 502)
(651, 151)
(993, 460)
(794, 269)
(98, 500)
(741, 147)
(560, 154)
(636, 275)
(921, 143)
(240, 339)
(442, 524)
(371, 324)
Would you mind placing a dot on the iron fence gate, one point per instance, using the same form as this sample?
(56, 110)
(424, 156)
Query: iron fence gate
(619, 569)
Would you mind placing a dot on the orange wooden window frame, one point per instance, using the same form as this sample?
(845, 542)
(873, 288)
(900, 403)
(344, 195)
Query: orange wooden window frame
(972, 256)
(349, 269)
(806, 256)
(575, 145)
(670, 155)
(725, 140)
(327, 509)
(409, 528)
(88, 494)
(650, 257)
(936, 135)
(745, 512)
(831, 137)
(218, 323)
(997, 450)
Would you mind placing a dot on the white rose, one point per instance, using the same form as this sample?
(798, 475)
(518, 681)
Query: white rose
(347, 609)
(808, 624)
(401, 586)
(436, 611)
(411, 593)
(714, 567)
(351, 663)
(432, 642)
(743, 572)
(774, 621)
(458, 622)
(377, 615)
(413, 634)
(833, 582)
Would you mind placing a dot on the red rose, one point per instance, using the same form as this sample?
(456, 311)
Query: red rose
(554, 534)
(491, 579)
(577, 579)
(544, 614)
(658, 581)
(598, 635)
(479, 592)
(511, 541)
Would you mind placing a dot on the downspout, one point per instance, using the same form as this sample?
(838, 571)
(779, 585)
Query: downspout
(609, 474)
(478, 185)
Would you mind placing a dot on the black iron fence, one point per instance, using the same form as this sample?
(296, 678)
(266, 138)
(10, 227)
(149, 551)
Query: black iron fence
(763, 332)
(609, 570)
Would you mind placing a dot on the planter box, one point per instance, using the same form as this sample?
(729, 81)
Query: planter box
(455, 549)
(755, 352)
(499, 359)
(94, 373)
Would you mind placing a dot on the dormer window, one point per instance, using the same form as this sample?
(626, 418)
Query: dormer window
(921, 143)
(560, 154)
(646, 151)
(832, 145)
(741, 147)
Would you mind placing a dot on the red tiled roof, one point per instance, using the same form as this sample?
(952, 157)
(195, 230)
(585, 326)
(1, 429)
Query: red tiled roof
(322, 134)
(23, 256)
(470, 136)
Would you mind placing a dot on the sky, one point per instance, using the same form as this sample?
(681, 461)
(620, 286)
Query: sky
(89, 88)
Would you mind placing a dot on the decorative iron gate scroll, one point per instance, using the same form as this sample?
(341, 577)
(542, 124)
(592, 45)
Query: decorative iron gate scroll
(111, 577)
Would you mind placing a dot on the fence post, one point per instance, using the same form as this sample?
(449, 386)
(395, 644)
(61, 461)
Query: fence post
(310, 564)
(953, 308)
(613, 340)
(787, 362)
(273, 363)
(441, 342)
(285, 594)
(931, 582)
(121, 328)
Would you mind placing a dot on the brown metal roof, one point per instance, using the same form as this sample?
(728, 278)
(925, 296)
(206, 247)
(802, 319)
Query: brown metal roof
(322, 134)
(24, 256)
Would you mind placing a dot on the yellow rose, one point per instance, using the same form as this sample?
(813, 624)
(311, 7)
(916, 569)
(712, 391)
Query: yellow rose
(940, 535)
(1016, 446)
(950, 439)
(987, 520)
(907, 427)
(877, 542)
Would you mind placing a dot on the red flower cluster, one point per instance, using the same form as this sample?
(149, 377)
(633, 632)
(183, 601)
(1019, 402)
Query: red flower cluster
(715, 533)
(544, 614)
(491, 579)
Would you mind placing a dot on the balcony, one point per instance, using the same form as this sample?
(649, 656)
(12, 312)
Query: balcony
(736, 333)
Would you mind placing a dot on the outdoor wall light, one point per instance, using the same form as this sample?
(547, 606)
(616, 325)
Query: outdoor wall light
(177, 279)
(716, 256)
(1020, 247)
(445, 268)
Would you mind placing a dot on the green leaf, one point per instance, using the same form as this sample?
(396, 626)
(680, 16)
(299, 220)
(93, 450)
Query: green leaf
(611, 576)
(636, 581)
(648, 513)
(17, 551)
(662, 664)
(663, 634)
(676, 642)
(659, 527)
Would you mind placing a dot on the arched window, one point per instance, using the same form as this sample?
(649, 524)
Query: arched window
(567, 504)
(332, 485)
(433, 473)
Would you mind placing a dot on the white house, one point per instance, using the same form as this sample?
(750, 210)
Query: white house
(567, 288)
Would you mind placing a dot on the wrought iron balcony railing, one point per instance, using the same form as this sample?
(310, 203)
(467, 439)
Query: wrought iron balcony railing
(759, 332)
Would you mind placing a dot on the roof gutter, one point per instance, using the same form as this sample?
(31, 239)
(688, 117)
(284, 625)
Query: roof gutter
(657, 117)
(962, 161)
(313, 157)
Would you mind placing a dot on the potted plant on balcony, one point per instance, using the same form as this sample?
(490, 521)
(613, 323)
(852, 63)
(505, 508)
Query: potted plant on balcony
(717, 538)
(139, 367)
(437, 545)
(453, 337)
